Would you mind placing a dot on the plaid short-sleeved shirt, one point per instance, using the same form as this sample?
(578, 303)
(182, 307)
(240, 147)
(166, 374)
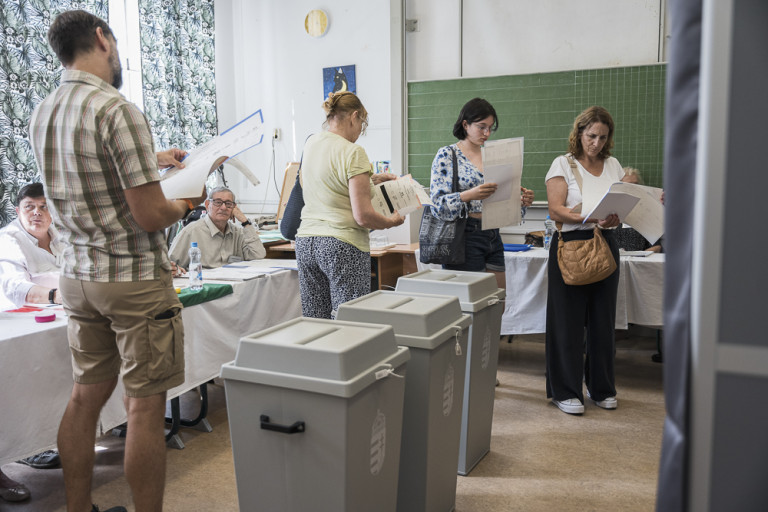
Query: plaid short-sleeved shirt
(91, 144)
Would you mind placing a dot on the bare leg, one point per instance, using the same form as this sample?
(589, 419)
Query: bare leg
(77, 435)
(145, 451)
(501, 278)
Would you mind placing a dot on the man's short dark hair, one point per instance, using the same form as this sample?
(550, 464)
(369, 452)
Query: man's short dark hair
(33, 190)
(72, 33)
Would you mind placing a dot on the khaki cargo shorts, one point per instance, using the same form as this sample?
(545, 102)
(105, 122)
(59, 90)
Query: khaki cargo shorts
(131, 328)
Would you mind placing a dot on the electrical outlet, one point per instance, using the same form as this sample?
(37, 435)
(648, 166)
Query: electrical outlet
(276, 134)
(412, 25)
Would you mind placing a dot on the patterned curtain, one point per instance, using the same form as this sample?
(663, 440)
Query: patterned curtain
(29, 71)
(177, 59)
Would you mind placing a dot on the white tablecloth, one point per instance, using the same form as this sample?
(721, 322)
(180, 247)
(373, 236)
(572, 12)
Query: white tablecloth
(639, 301)
(36, 370)
(641, 286)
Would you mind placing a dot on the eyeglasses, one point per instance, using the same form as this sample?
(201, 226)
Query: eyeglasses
(482, 128)
(218, 203)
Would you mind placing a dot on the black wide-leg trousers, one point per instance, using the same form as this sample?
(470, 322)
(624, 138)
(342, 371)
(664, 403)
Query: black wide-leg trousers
(572, 311)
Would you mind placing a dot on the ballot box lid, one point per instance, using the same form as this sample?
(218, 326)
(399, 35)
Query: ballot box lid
(419, 320)
(475, 290)
(316, 354)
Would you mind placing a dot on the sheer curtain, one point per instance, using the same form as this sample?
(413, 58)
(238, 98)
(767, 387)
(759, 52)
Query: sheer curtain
(177, 53)
(29, 71)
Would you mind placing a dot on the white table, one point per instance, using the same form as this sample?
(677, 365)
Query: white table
(36, 370)
(639, 300)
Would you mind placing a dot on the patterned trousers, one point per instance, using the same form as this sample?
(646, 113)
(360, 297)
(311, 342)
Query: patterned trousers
(331, 272)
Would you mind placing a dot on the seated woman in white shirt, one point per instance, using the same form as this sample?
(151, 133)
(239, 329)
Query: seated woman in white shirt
(30, 253)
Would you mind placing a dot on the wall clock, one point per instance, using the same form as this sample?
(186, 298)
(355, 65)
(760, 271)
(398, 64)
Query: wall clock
(316, 23)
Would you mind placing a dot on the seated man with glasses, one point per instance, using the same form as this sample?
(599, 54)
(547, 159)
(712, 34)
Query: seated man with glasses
(220, 241)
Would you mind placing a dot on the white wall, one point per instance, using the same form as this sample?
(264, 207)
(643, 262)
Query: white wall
(265, 60)
(471, 38)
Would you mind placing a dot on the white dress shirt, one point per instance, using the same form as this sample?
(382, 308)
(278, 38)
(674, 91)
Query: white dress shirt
(24, 264)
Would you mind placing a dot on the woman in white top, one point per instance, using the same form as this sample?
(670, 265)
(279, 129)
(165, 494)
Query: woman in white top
(571, 309)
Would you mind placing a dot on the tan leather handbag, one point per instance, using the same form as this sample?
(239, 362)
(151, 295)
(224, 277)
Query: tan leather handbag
(584, 261)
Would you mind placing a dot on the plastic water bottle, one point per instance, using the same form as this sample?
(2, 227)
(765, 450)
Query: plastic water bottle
(549, 232)
(195, 270)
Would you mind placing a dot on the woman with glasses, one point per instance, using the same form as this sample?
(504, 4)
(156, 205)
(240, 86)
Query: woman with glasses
(332, 243)
(484, 249)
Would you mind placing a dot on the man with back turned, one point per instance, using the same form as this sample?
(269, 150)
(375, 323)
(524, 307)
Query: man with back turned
(100, 172)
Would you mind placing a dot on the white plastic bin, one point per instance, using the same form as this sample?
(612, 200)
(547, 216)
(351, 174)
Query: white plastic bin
(435, 330)
(479, 297)
(315, 416)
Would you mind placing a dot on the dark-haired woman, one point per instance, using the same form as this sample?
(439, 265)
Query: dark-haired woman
(484, 249)
(572, 310)
(332, 243)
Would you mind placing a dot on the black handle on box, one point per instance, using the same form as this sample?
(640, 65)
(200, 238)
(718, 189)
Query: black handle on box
(296, 428)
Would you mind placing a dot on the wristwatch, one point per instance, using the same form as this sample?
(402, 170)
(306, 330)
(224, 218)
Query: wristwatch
(246, 223)
(52, 295)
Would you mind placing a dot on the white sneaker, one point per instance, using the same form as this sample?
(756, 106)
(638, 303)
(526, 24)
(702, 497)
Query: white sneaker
(571, 405)
(608, 403)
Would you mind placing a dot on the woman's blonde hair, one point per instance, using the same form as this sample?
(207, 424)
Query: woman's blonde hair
(631, 171)
(342, 104)
(584, 120)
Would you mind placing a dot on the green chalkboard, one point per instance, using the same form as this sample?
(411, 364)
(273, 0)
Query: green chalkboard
(541, 108)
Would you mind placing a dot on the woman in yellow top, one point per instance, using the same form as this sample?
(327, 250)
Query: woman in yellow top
(332, 243)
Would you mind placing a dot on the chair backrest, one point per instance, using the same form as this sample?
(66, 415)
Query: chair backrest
(172, 231)
(289, 179)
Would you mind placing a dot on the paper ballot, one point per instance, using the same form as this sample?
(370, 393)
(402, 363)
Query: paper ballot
(613, 202)
(403, 195)
(503, 165)
(637, 205)
(188, 182)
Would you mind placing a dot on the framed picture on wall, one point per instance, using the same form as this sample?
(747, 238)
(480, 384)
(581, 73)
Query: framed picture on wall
(339, 78)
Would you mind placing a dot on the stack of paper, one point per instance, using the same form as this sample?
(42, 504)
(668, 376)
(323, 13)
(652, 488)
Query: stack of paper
(235, 272)
(503, 165)
(640, 254)
(637, 205)
(403, 195)
(188, 182)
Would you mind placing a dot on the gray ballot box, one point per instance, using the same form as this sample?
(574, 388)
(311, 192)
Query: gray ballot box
(480, 298)
(435, 330)
(315, 416)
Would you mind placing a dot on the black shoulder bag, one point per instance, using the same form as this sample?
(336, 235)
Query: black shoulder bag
(291, 220)
(442, 241)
